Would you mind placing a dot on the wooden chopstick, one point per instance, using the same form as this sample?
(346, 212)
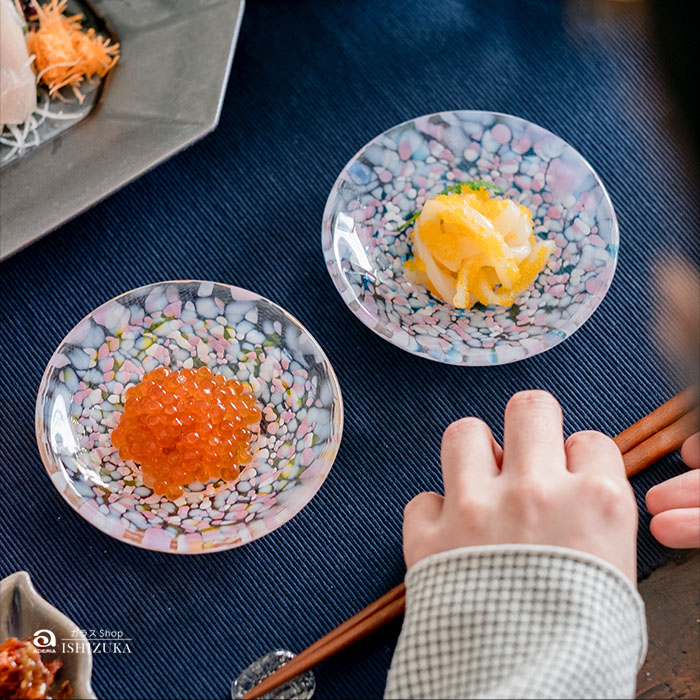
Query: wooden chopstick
(334, 642)
(660, 444)
(648, 440)
(664, 415)
(394, 594)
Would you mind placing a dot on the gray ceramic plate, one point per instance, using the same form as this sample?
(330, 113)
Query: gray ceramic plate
(26, 615)
(165, 93)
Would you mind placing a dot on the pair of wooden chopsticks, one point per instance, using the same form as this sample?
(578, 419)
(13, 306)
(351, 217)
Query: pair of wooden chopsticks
(660, 433)
(642, 444)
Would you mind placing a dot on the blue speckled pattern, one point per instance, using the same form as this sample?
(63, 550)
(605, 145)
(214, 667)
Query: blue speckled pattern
(398, 171)
(179, 325)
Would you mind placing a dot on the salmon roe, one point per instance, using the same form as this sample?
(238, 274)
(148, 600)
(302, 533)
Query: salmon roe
(187, 425)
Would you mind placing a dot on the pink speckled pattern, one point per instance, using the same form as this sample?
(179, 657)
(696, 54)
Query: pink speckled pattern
(189, 324)
(394, 175)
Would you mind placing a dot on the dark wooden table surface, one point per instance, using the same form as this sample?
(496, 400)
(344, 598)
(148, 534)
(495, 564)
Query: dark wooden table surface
(672, 598)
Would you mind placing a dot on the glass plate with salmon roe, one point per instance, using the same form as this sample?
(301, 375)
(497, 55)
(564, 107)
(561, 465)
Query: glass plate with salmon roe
(188, 324)
(187, 425)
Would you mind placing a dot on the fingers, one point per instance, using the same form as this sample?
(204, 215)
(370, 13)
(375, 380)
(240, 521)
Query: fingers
(591, 452)
(679, 528)
(419, 515)
(675, 504)
(682, 491)
(422, 510)
(469, 456)
(533, 435)
(690, 452)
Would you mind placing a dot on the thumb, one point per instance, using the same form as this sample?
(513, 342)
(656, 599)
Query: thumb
(420, 514)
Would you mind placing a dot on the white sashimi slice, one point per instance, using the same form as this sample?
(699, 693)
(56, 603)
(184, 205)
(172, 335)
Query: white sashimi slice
(475, 220)
(484, 229)
(431, 210)
(508, 218)
(17, 82)
(516, 229)
(444, 284)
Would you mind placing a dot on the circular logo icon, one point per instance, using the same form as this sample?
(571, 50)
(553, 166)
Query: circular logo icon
(44, 639)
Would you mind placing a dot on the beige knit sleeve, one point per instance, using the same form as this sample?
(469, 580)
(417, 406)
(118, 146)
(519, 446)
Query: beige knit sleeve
(517, 621)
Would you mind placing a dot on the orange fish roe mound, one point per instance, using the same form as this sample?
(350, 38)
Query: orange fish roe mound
(187, 425)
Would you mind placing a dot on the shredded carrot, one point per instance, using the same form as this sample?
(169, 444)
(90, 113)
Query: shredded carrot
(65, 54)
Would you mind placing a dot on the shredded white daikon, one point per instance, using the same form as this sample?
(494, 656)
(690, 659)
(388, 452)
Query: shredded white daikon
(63, 64)
(16, 138)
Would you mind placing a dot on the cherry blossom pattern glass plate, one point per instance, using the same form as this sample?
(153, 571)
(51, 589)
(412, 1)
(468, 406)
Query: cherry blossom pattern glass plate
(189, 324)
(394, 175)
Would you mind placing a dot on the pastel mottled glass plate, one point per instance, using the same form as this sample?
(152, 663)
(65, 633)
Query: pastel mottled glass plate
(393, 176)
(189, 324)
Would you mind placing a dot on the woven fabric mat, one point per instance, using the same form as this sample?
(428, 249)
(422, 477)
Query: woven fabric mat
(311, 83)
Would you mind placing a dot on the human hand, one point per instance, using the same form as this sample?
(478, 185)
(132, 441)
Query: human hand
(538, 489)
(675, 503)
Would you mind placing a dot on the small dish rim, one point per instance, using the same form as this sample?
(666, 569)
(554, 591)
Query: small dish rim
(223, 547)
(370, 322)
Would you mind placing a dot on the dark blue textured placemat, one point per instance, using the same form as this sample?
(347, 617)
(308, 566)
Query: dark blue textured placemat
(311, 83)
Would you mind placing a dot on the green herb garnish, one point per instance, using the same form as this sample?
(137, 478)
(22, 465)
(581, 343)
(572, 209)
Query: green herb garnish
(456, 188)
(409, 221)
